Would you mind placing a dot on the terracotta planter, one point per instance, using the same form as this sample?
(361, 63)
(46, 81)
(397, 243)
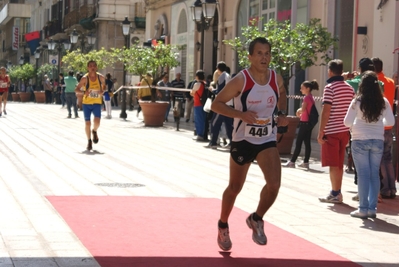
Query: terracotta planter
(40, 97)
(154, 112)
(24, 96)
(285, 146)
(79, 96)
(15, 97)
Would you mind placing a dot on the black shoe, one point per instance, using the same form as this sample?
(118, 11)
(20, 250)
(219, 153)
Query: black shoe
(69, 116)
(385, 197)
(95, 137)
(393, 195)
(76, 116)
(187, 120)
(89, 145)
(5, 112)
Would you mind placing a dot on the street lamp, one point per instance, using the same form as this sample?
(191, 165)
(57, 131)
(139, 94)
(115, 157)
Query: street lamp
(91, 39)
(202, 14)
(52, 45)
(37, 56)
(126, 32)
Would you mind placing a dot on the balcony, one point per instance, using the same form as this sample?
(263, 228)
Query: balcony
(10, 11)
(53, 27)
(76, 15)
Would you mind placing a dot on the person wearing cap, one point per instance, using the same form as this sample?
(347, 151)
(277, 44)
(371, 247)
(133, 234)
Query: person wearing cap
(93, 86)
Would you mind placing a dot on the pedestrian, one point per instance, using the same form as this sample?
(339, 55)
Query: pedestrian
(93, 85)
(4, 85)
(48, 90)
(115, 98)
(218, 119)
(56, 90)
(62, 90)
(333, 135)
(305, 129)
(70, 95)
(144, 94)
(199, 113)
(107, 95)
(164, 95)
(367, 115)
(388, 187)
(257, 91)
(178, 82)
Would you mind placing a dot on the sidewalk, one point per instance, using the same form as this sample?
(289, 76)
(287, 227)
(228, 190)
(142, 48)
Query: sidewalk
(42, 153)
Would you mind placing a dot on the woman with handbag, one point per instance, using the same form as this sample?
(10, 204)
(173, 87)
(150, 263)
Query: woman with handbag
(305, 129)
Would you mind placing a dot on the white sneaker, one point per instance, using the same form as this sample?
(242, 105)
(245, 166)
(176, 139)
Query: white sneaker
(304, 165)
(289, 164)
(223, 239)
(258, 233)
(359, 214)
(332, 199)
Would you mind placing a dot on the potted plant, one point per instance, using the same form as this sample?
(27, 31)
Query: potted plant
(304, 45)
(140, 60)
(23, 74)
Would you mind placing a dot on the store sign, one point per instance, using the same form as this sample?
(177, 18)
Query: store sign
(15, 38)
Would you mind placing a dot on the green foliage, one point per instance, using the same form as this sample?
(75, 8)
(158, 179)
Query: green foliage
(77, 61)
(24, 72)
(140, 60)
(46, 69)
(306, 44)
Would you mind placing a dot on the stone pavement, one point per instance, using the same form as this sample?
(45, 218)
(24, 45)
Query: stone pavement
(42, 153)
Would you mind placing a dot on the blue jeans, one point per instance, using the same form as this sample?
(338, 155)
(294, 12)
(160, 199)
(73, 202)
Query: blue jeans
(216, 124)
(200, 114)
(367, 156)
(388, 174)
(71, 102)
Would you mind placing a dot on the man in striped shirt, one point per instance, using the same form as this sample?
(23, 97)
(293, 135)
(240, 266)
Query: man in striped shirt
(333, 134)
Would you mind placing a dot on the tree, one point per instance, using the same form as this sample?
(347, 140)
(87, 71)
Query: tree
(22, 73)
(46, 69)
(305, 44)
(77, 61)
(140, 60)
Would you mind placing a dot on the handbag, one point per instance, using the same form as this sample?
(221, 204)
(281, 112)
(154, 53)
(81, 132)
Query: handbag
(208, 104)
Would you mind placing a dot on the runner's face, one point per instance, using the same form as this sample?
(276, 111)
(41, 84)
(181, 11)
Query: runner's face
(261, 56)
(92, 67)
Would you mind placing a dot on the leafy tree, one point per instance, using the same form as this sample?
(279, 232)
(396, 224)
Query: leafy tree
(306, 44)
(46, 69)
(77, 61)
(22, 73)
(140, 60)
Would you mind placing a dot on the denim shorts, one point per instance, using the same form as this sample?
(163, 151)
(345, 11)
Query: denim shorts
(89, 109)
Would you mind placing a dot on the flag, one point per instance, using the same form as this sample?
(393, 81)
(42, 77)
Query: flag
(33, 39)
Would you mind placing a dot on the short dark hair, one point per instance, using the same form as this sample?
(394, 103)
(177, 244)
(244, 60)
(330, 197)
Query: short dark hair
(91, 61)
(261, 40)
(378, 65)
(221, 66)
(336, 66)
(366, 64)
(200, 74)
(70, 73)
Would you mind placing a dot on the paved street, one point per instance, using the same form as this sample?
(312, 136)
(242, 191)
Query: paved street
(42, 153)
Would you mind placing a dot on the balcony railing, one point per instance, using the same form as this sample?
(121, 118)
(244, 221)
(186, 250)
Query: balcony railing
(78, 14)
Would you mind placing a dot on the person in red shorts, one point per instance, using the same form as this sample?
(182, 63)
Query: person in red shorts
(4, 85)
(333, 134)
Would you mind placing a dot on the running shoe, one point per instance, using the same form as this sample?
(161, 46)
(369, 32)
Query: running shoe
(89, 145)
(332, 199)
(359, 214)
(224, 241)
(95, 137)
(289, 164)
(258, 234)
(304, 165)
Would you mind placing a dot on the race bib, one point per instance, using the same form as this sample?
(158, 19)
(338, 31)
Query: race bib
(94, 93)
(261, 128)
(3, 85)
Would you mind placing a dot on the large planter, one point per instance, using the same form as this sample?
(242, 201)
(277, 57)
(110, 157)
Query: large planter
(40, 97)
(24, 96)
(15, 97)
(154, 112)
(285, 146)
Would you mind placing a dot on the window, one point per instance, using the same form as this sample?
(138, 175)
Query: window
(182, 27)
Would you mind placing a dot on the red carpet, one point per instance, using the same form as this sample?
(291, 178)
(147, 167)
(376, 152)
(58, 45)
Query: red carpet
(152, 231)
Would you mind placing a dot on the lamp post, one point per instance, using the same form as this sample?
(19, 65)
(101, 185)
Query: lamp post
(126, 32)
(37, 56)
(202, 14)
(91, 40)
(52, 45)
